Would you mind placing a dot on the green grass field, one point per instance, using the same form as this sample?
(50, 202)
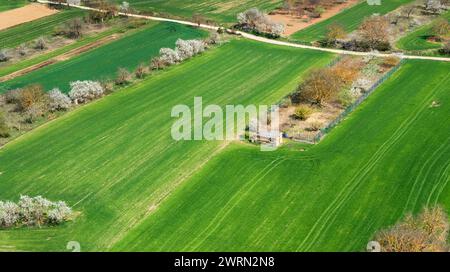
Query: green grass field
(417, 40)
(114, 160)
(104, 61)
(350, 19)
(219, 10)
(11, 4)
(30, 31)
(391, 156)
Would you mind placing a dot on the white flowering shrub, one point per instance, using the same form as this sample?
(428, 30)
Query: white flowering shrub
(169, 56)
(9, 214)
(254, 19)
(4, 55)
(124, 7)
(188, 49)
(33, 211)
(83, 91)
(58, 100)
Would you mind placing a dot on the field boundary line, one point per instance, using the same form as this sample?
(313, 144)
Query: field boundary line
(261, 39)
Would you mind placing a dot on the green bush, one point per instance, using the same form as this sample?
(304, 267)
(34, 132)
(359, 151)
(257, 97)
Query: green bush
(4, 130)
(345, 98)
(303, 113)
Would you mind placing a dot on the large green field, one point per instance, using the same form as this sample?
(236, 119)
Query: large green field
(104, 61)
(350, 19)
(114, 160)
(11, 4)
(391, 156)
(219, 10)
(417, 40)
(27, 32)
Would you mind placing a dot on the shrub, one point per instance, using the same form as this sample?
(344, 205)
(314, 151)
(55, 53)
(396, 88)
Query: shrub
(302, 113)
(320, 86)
(32, 96)
(9, 214)
(58, 100)
(83, 91)
(345, 98)
(141, 71)
(13, 96)
(169, 56)
(33, 211)
(73, 28)
(446, 49)
(4, 129)
(255, 20)
(391, 61)
(4, 55)
(315, 126)
(40, 44)
(426, 232)
(123, 76)
(157, 64)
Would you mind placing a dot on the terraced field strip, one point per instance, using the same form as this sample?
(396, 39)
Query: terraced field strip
(224, 11)
(350, 19)
(65, 56)
(115, 159)
(417, 40)
(368, 172)
(12, 4)
(27, 32)
(84, 41)
(103, 62)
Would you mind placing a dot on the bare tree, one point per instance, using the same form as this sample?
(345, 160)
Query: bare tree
(374, 30)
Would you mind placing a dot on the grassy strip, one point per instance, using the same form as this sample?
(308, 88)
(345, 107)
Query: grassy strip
(11, 4)
(44, 57)
(29, 31)
(350, 19)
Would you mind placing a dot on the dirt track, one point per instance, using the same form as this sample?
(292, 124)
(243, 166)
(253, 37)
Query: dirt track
(25, 14)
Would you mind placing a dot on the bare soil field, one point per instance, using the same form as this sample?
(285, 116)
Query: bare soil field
(294, 23)
(25, 14)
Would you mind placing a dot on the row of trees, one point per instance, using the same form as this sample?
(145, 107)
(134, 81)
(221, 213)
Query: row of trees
(426, 232)
(255, 20)
(184, 49)
(33, 102)
(33, 211)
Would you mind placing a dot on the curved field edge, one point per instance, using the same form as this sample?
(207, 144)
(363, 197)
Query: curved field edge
(349, 19)
(391, 156)
(115, 161)
(417, 40)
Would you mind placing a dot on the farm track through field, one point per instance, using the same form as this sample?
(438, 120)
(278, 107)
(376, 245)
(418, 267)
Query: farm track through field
(63, 57)
(270, 41)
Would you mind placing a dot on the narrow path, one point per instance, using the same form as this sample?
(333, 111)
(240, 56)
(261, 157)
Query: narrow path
(266, 40)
